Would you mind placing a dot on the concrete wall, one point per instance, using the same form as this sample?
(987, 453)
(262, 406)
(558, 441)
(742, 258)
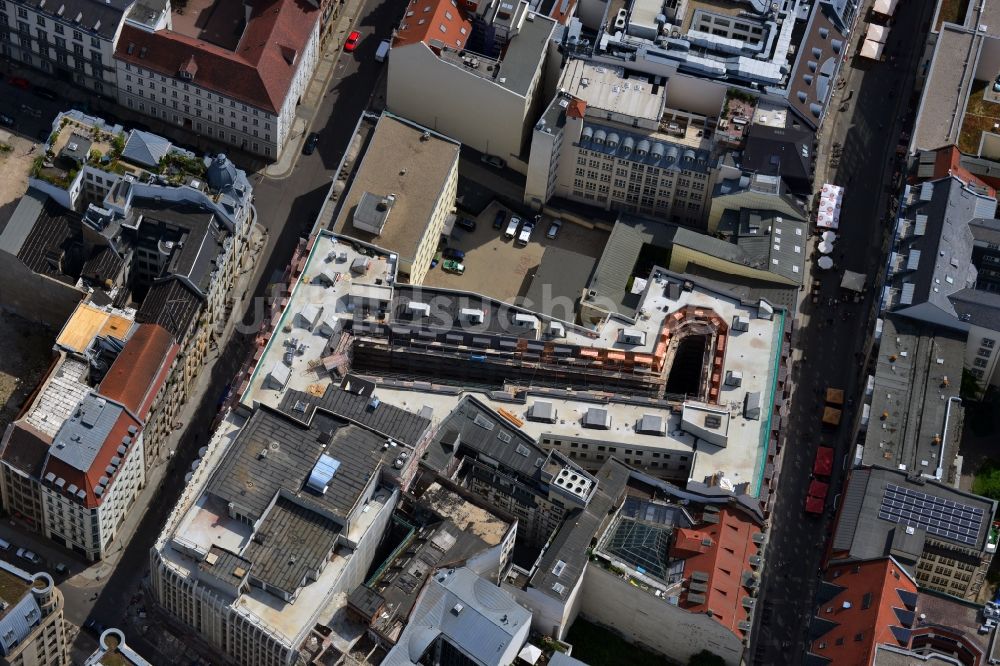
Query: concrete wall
(644, 619)
(35, 297)
(695, 94)
(680, 257)
(476, 111)
(976, 347)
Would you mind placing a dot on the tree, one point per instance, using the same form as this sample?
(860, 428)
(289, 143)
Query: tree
(706, 658)
(987, 481)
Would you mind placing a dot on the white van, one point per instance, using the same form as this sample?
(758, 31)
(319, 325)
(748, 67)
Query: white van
(512, 226)
(4, 544)
(382, 52)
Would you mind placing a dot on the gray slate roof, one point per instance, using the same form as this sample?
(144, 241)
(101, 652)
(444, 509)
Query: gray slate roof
(574, 536)
(486, 624)
(83, 434)
(291, 542)
(945, 265)
(22, 221)
(250, 481)
(145, 149)
(100, 17)
(862, 535)
(974, 306)
(475, 426)
(387, 420)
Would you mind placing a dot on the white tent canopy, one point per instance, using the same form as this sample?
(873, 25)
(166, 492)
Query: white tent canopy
(853, 281)
(885, 7)
(826, 263)
(872, 50)
(828, 215)
(825, 247)
(877, 33)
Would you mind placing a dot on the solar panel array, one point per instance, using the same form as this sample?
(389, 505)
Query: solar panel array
(942, 518)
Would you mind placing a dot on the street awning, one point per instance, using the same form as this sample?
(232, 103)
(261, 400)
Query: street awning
(877, 33)
(853, 281)
(885, 7)
(872, 50)
(824, 461)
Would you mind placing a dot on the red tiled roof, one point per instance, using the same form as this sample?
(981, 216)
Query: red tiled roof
(140, 369)
(947, 163)
(862, 611)
(724, 559)
(258, 72)
(88, 480)
(438, 20)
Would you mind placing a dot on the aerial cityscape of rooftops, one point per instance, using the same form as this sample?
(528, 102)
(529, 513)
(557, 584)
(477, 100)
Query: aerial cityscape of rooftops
(499, 332)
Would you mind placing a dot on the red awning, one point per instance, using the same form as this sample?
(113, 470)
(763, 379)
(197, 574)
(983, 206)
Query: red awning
(824, 461)
(814, 505)
(818, 489)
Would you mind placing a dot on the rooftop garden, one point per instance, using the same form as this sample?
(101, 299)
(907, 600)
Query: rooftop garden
(178, 166)
(981, 116)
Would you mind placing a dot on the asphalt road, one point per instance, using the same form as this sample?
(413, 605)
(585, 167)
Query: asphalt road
(830, 339)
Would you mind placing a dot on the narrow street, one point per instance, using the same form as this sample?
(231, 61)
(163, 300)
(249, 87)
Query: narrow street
(830, 342)
(285, 208)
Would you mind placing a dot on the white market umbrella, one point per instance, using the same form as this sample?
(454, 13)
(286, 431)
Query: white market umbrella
(829, 236)
(826, 263)
(825, 247)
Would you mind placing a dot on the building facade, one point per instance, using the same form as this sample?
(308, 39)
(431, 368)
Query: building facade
(71, 41)
(242, 94)
(32, 628)
(608, 140)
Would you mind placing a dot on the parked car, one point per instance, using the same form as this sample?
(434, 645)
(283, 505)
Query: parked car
(94, 627)
(45, 93)
(310, 145)
(382, 52)
(26, 554)
(61, 568)
(436, 260)
(512, 226)
(494, 161)
(452, 266)
(525, 235)
(6, 120)
(553, 229)
(19, 82)
(466, 223)
(453, 253)
(499, 219)
(4, 544)
(352, 41)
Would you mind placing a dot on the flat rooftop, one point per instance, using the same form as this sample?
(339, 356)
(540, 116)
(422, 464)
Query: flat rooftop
(409, 163)
(63, 390)
(12, 589)
(331, 275)
(941, 111)
(606, 89)
(202, 522)
(89, 321)
(914, 422)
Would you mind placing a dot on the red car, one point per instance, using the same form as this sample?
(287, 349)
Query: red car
(19, 82)
(352, 41)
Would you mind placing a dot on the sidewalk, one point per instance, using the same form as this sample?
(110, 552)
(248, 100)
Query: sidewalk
(326, 68)
(92, 576)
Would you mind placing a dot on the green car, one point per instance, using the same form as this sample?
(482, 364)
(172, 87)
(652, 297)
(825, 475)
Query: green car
(453, 266)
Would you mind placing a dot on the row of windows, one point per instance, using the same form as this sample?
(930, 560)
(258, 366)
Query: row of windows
(174, 83)
(56, 26)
